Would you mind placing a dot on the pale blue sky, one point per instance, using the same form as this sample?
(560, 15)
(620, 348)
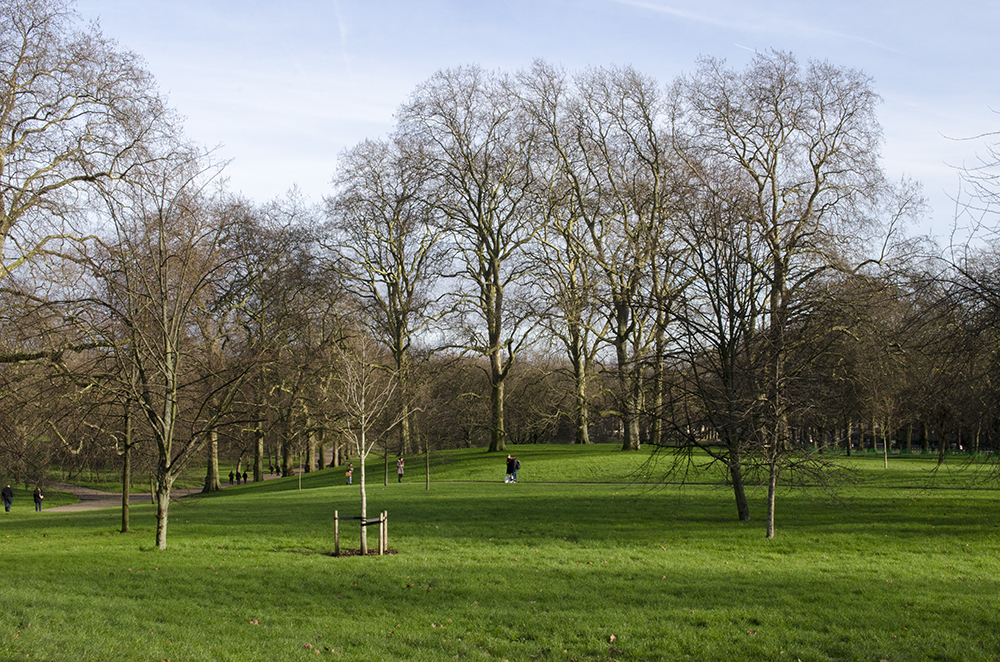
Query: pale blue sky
(283, 87)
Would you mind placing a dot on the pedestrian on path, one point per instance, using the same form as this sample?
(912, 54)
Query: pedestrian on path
(38, 498)
(513, 464)
(231, 476)
(8, 498)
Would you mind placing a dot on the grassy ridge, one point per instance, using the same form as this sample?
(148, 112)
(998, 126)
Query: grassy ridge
(576, 562)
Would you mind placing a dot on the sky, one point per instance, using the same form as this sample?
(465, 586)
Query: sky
(280, 89)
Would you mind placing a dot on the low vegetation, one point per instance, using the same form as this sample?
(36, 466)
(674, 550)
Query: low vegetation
(578, 561)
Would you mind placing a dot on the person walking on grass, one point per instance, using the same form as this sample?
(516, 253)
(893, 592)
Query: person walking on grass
(8, 498)
(399, 469)
(513, 465)
(350, 470)
(508, 478)
(38, 498)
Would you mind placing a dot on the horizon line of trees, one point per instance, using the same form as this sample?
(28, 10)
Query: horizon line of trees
(714, 265)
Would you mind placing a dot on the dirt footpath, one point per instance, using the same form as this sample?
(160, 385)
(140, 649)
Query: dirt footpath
(95, 499)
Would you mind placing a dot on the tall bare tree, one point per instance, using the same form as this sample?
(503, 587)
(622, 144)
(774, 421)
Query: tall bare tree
(388, 247)
(801, 144)
(715, 404)
(480, 147)
(75, 110)
(621, 175)
(162, 272)
(568, 279)
(365, 390)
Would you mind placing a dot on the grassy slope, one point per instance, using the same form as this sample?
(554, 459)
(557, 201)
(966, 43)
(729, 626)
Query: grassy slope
(898, 568)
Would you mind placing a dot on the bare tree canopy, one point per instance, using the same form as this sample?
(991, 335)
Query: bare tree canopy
(75, 110)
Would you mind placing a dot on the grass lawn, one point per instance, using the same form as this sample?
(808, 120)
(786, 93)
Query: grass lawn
(575, 562)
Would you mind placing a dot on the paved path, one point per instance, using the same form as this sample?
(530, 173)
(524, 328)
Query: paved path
(90, 499)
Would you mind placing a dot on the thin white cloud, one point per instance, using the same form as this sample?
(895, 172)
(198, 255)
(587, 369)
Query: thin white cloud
(736, 17)
(342, 30)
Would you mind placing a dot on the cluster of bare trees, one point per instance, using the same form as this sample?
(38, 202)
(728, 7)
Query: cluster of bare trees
(713, 265)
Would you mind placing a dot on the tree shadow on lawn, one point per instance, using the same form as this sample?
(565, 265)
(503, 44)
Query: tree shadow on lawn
(523, 513)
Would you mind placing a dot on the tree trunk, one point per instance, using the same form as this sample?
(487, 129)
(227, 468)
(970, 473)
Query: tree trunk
(258, 453)
(885, 444)
(364, 500)
(629, 397)
(497, 433)
(427, 464)
(162, 509)
(127, 470)
(582, 432)
(772, 489)
(385, 462)
(582, 415)
(321, 449)
(310, 448)
(405, 443)
(287, 461)
(739, 490)
(403, 372)
(212, 483)
(659, 382)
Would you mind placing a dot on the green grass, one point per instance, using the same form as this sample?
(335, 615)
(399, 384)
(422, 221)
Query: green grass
(576, 562)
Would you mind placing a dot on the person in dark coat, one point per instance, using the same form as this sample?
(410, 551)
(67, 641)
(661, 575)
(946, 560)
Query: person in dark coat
(38, 498)
(8, 498)
(244, 478)
(231, 476)
(508, 478)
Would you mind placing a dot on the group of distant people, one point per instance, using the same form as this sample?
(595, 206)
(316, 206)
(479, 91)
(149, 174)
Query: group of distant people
(8, 498)
(237, 476)
(513, 465)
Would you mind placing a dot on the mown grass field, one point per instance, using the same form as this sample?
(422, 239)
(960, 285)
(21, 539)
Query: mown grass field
(578, 561)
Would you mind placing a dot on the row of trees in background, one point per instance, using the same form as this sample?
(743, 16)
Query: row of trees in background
(714, 265)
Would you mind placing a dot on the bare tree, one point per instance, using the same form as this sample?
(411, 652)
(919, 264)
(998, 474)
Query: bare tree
(283, 317)
(74, 110)
(715, 348)
(480, 148)
(568, 279)
(622, 177)
(388, 248)
(365, 390)
(162, 274)
(801, 145)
